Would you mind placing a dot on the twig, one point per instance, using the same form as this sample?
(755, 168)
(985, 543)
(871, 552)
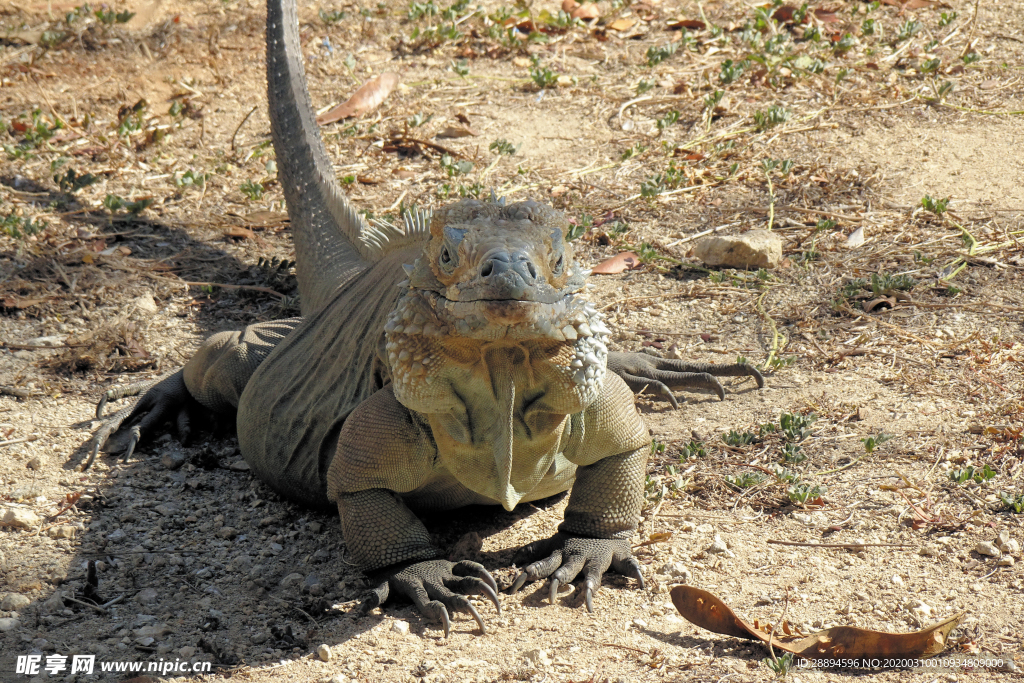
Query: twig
(86, 604)
(265, 290)
(759, 305)
(848, 546)
(235, 134)
(701, 234)
(24, 439)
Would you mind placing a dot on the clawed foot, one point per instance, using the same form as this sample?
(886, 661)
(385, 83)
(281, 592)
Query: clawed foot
(567, 556)
(646, 372)
(163, 399)
(434, 587)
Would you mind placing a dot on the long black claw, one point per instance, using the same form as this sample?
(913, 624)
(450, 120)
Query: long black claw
(479, 620)
(666, 393)
(136, 435)
(446, 622)
(92, 454)
(717, 388)
(101, 405)
(553, 592)
(492, 596)
(490, 580)
(588, 594)
(519, 582)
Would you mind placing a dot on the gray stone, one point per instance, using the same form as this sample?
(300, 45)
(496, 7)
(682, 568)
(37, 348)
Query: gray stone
(324, 653)
(291, 580)
(63, 531)
(172, 461)
(35, 463)
(20, 518)
(52, 605)
(987, 548)
(147, 596)
(116, 535)
(753, 249)
(9, 624)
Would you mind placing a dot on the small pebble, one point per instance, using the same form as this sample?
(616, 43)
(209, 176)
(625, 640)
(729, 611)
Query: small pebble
(34, 464)
(400, 626)
(1005, 561)
(324, 653)
(14, 602)
(987, 548)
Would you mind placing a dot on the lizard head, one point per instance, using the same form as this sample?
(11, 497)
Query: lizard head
(496, 275)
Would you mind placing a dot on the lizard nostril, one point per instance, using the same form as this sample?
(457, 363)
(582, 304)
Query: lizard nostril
(532, 269)
(487, 269)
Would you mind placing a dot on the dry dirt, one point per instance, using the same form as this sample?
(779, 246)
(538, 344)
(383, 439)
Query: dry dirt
(207, 565)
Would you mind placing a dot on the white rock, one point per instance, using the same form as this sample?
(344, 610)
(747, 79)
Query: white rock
(1005, 561)
(145, 303)
(639, 623)
(63, 531)
(9, 624)
(400, 626)
(719, 547)
(704, 529)
(187, 652)
(897, 580)
(20, 518)
(324, 653)
(753, 249)
(921, 610)
(116, 535)
(14, 602)
(677, 570)
(336, 678)
(538, 658)
(987, 548)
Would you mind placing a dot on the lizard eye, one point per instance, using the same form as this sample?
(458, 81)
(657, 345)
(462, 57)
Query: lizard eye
(559, 264)
(446, 258)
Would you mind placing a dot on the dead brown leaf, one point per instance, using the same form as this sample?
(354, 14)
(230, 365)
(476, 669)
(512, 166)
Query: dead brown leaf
(366, 99)
(586, 11)
(688, 24)
(238, 232)
(622, 261)
(457, 132)
(708, 611)
(622, 24)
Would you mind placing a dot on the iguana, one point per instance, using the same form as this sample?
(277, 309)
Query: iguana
(447, 362)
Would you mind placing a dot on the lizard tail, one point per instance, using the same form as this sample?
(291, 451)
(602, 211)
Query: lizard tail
(330, 237)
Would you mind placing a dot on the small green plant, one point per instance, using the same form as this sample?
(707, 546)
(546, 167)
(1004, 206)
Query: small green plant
(873, 442)
(108, 17)
(633, 151)
(70, 182)
(656, 54)
(784, 476)
(252, 190)
(793, 454)
(781, 666)
(745, 480)
(970, 58)
(767, 428)
(191, 179)
(908, 30)
(867, 27)
(775, 115)
(543, 77)
(844, 44)
(332, 17)
(776, 363)
(417, 120)
(978, 476)
(694, 449)
(461, 67)
(884, 284)
(115, 203)
(20, 227)
(731, 71)
(503, 146)
(802, 492)
(936, 206)
(736, 439)
(657, 447)
(796, 427)
(645, 86)
(952, 291)
(930, 66)
(669, 119)
(1012, 502)
(455, 168)
(418, 10)
(131, 119)
(946, 19)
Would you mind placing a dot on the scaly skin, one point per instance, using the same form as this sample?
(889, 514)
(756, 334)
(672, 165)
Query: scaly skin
(449, 362)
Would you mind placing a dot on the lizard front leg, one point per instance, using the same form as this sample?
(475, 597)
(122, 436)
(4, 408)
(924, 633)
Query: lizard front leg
(603, 512)
(388, 541)
(384, 450)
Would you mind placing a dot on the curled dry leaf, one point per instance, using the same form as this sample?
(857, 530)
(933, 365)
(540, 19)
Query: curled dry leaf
(622, 24)
(364, 100)
(616, 264)
(569, 5)
(456, 132)
(707, 611)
